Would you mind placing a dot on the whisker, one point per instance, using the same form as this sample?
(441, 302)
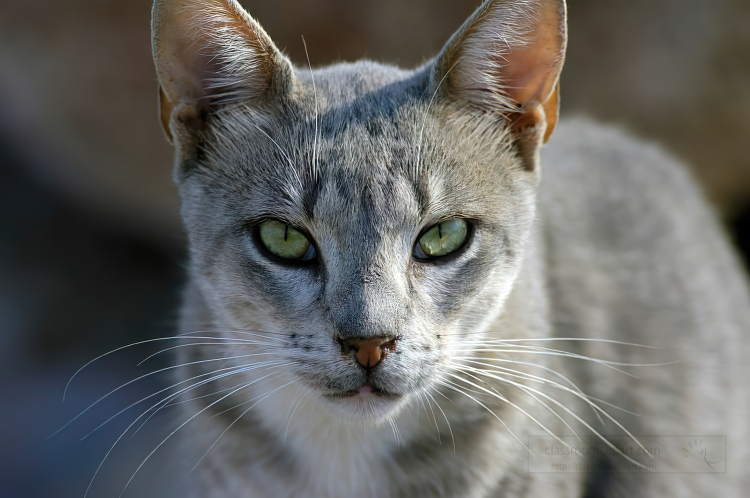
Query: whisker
(527, 391)
(408, 408)
(437, 391)
(552, 339)
(177, 403)
(418, 401)
(234, 370)
(234, 422)
(227, 410)
(294, 411)
(147, 341)
(459, 390)
(118, 440)
(444, 415)
(532, 377)
(426, 114)
(399, 438)
(417, 398)
(244, 343)
(539, 348)
(315, 94)
(577, 391)
(181, 426)
(396, 432)
(604, 363)
(588, 426)
(506, 400)
(167, 401)
(434, 420)
(143, 377)
(291, 165)
(263, 334)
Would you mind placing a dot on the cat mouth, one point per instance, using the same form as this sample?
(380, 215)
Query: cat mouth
(365, 391)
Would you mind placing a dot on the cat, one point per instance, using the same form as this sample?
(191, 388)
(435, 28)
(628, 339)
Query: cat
(395, 290)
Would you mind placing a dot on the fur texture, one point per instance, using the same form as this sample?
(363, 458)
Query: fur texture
(614, 244)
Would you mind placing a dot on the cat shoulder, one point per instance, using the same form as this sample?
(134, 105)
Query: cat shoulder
(615, 182)
(584, 153)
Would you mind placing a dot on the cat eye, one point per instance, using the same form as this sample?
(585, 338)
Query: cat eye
(285, 241)
(442, 239)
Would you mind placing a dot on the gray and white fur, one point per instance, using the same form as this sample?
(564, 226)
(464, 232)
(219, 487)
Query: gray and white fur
(601, 238)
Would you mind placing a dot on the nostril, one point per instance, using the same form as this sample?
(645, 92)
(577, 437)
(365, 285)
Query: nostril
(390, 345)
(348, 345)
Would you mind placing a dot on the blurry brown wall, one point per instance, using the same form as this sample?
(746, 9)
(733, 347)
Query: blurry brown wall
(78, 90)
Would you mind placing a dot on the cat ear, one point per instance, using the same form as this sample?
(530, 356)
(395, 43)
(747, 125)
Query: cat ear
(507, 59)
(209, 53)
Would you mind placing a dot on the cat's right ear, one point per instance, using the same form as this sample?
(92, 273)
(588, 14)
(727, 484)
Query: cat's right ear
(506, 60)
(208, 54)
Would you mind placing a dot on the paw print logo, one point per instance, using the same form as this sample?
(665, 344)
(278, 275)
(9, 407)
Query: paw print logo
(696, 447)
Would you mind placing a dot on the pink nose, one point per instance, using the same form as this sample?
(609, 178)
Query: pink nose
(369, 351)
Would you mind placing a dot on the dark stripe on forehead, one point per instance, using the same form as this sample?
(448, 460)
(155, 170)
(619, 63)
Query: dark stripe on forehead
(345, 184)
(312, 186)
(421, 189)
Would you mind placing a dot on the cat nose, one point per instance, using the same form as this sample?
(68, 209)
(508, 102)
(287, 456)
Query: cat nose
(368, 350)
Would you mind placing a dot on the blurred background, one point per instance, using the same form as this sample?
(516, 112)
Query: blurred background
(91, 248)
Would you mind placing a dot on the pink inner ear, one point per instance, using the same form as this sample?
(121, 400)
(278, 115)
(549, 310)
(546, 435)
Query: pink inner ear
(210, 48)
(530, 72)
(509, 53)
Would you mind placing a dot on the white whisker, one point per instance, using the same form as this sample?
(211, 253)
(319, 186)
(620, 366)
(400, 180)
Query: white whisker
(145, 376)
(264, 396)
(563, 354)
(450, 430)
(527, 390)
(166, 401)
(233, 371)
(460, 390)
(181, 426)
(506, 400)
(244, 343)
(315, 94)
(426, 114)
(434, 420)
(587, 425)
(294, 411)
(147, 341)
(530, 376)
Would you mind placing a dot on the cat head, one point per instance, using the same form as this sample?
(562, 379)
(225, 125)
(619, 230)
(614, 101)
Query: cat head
(363, 220)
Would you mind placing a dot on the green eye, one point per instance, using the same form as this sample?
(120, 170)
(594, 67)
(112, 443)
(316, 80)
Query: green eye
(442, 239)
(285, 241)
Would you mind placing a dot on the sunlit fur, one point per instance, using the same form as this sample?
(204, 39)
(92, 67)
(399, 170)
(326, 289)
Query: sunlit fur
(481, 54)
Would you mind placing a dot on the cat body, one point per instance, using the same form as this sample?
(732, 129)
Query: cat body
(479, 348)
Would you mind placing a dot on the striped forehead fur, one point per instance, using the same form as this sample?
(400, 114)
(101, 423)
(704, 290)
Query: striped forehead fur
(246, 144)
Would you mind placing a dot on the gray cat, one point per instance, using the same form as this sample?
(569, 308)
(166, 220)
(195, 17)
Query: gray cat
(395, 291)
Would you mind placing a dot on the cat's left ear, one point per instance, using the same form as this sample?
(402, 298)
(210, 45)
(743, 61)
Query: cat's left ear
(507, 59)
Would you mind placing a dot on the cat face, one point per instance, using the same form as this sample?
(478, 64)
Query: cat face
(361, 163)
(359, 195)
